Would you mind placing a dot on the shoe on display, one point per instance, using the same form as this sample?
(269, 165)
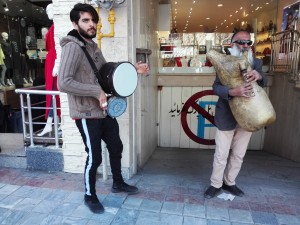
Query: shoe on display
(9, 83)
(123, 187)
(93, 203)
(25, 81)
(211, 192)
(233, 189)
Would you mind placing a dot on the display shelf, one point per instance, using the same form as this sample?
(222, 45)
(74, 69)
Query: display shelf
(263, 46)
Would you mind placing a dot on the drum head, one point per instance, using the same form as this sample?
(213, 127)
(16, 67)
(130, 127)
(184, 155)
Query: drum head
(125, 79)
(116, 106)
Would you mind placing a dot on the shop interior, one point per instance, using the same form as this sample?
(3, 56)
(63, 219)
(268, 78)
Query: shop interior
(23, 26)
(195, 27)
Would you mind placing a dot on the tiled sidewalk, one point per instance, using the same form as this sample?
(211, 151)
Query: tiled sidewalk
(171, 192)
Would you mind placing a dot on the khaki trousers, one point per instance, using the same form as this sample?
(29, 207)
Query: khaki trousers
(224, 168)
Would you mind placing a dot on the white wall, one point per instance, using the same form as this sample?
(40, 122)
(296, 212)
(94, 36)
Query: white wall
(143, 20)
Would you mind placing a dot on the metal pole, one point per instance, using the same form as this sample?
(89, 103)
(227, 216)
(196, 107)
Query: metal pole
(30, 120)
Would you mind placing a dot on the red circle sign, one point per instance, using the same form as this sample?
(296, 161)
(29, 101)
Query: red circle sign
(191, 102)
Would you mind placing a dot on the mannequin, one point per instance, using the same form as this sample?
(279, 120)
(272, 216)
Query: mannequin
(50, 73)
(28, 43)
(6, 48)
(2, 67)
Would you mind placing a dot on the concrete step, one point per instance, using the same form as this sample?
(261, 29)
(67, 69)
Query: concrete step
(12, 150)
(19, 162)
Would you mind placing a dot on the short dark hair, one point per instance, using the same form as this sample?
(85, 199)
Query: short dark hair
(238, 31)
(80, 8)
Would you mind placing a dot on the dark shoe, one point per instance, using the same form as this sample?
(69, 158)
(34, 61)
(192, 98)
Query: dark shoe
(123, 187)
(233, 190)
(211, 192)
(93, 203)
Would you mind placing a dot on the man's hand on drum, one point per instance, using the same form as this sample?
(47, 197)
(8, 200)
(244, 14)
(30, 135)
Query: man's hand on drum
(241, 91)
(103, 101)
(252, 76)
(142, 68)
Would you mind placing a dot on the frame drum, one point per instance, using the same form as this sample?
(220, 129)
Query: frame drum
(119, 79)
(116, 106)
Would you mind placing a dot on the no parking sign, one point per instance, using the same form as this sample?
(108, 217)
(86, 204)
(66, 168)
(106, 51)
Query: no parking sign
(191, 102)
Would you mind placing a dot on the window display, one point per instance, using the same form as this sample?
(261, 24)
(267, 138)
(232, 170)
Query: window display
(21, 61)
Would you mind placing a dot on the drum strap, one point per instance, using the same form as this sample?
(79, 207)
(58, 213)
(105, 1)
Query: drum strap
(96, 71)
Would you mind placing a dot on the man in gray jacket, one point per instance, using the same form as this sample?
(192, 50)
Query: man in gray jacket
(87, 102)
(229, 134)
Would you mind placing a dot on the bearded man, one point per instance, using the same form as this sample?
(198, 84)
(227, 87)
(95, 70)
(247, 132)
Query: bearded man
(229, 134)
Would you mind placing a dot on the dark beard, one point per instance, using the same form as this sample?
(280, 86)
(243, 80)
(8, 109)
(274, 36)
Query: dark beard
(85, 34)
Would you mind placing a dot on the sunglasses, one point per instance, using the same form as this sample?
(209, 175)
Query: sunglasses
(242, 42)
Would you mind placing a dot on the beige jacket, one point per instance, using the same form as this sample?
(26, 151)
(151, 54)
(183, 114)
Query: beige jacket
(77, 79)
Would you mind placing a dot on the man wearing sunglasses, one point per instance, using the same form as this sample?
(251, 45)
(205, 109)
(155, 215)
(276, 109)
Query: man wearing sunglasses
(229, 134)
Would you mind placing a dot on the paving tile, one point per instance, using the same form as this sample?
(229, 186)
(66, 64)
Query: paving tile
(10, 201)
(14, 217)
(262, 207)
(194, 210)
(4, 213)
(194, 221)
(82, 211)
(75, 197)
(40, 193)
(32, 218)
(64, 209)
(283, 209)
(215, 213)
(151, 205)
(2, 184)
(132, 203)
(242, 216)
(75, 221)
(113, 200)
(23, 191)
(264, 218)
(8, 189)
(106, 217)
(125, 217)
(218, 222)
(288, 219)
(239, 205)
(53, 220)
(46, 206)
(152, 218)
(172, 208)
(159, 196)
(57, 195)
(27, 204)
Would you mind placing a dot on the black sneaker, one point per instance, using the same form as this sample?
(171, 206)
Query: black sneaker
(123, 187)
(211, 192)
(233, 189)
(93, 203)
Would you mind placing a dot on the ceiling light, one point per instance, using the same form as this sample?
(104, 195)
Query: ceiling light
(201, 25)
(6, 9)
(175, 3)
(207, 18)
(194, 2)
(241, 8)
(220, 5)
(230, 15)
